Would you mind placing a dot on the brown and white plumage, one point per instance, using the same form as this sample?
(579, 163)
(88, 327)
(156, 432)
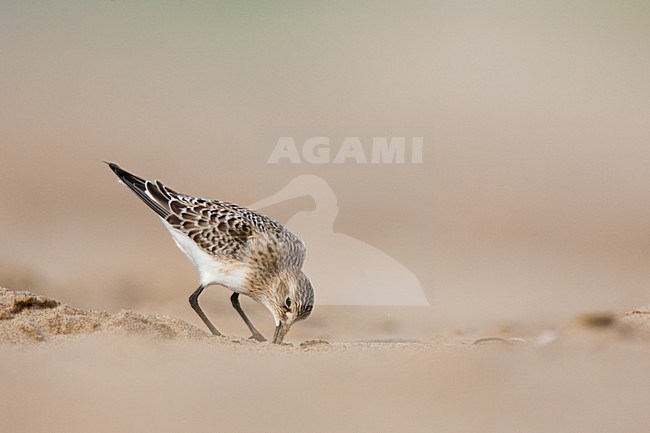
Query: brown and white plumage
(241, 249)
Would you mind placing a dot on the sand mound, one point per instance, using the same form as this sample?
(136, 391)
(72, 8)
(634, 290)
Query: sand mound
(26, 318)
(29, 318)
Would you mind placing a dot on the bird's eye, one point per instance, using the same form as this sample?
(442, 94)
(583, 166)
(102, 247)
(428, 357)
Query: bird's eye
(287, 302)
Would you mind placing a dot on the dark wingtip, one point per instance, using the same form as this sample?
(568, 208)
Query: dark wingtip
(128, 178)
(116, 168)
(123, 174)
(138, 186)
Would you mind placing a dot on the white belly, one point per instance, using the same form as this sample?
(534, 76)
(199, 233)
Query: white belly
(211, 270)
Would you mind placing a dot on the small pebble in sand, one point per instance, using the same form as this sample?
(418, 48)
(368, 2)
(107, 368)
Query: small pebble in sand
(490, 340)
(312, 343)
(597, 320)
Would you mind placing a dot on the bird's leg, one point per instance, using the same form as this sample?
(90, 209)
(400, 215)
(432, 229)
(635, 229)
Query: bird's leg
(235, 303)
(194, 302)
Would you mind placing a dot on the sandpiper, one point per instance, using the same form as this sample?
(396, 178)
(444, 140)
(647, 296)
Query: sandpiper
(243, 250)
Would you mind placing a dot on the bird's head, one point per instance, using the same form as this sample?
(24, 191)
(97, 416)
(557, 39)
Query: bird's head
(290, 300)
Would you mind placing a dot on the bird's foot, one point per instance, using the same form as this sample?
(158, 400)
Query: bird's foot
(215, 332)
(257, 337)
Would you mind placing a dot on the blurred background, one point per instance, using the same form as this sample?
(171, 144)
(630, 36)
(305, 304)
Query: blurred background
(531, 204)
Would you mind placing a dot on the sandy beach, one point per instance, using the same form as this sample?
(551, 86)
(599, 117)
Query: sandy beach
(75, 370)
